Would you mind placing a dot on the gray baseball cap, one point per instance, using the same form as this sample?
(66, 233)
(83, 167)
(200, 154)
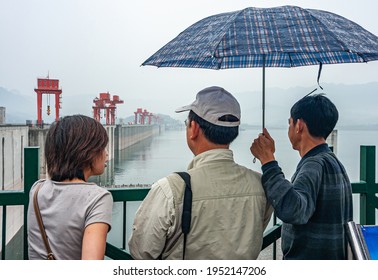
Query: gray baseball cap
(212, 103)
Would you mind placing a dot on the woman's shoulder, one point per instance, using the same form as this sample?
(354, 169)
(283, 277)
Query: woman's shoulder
(98, 191)
(94, 188)
(101, 190)
(36, 183)
(79, 188)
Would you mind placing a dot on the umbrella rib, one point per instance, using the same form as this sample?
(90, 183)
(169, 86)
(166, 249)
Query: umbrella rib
(226, 29)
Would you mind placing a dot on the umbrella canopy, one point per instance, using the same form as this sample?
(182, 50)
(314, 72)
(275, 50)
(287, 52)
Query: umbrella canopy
(286, 36)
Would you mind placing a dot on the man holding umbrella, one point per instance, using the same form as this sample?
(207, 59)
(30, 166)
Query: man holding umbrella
(317, 203)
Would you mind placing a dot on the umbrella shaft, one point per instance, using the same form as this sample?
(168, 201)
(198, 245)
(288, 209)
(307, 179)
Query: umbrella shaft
(263, 94)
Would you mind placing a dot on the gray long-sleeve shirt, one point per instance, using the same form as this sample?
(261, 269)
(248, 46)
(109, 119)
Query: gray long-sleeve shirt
(314, 206)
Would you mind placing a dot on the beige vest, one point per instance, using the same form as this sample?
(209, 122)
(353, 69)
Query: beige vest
(229, 212)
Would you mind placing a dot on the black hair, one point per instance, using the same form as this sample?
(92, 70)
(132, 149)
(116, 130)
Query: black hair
(318, 112)
(215, 133)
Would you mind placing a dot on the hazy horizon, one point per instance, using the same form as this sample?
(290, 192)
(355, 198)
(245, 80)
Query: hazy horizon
(356, 105)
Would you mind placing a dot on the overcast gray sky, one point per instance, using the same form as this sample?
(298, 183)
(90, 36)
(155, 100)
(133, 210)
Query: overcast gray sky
(95, 46)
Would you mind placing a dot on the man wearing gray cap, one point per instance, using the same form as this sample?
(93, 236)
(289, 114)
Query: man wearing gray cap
(229, 210)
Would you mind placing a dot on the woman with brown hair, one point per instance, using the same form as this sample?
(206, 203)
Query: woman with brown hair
(76, 215)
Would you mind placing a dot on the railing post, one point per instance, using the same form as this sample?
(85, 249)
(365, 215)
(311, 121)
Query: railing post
(124, 226)
(4, 232)
(367, 174)
(31, 171)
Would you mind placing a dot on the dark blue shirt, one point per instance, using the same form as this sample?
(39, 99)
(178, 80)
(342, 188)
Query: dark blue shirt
(314, 206)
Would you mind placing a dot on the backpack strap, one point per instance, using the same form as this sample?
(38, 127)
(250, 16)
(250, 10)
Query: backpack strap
(187, 208)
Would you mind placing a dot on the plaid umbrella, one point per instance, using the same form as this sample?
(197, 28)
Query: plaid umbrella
(287, 36)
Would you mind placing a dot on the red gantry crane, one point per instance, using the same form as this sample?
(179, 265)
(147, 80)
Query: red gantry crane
(138, 116)
(104, 102)
(48, 86)
(141, 116)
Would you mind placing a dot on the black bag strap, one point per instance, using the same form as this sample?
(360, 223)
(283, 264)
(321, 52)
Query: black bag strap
(187, 208)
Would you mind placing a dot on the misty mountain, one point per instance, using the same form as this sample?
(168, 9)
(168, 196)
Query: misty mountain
(18, 107)
(164, 119)
(357, 105)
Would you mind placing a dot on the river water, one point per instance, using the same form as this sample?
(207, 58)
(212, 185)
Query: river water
(160, 155)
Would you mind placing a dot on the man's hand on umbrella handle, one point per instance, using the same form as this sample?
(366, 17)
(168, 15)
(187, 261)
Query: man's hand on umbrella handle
(263, 147)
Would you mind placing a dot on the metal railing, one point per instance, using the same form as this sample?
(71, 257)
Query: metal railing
(20, 197)
(366, 187)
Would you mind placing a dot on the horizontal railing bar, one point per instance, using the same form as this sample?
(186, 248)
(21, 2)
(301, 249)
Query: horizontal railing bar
(18, 197)
(359, 187)
(115, 253)
(13, 198)
(128, 194)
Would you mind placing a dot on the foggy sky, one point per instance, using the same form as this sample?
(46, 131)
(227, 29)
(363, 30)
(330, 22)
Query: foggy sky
(95, 46)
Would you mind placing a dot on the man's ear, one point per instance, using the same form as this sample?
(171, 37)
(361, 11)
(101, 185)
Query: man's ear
(300, 125)
(194, 130)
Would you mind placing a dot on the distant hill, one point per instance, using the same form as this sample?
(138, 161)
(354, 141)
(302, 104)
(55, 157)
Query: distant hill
(164, 119)
(357, 105)
(18, 107)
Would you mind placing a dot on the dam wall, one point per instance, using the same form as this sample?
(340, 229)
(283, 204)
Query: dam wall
(127, 135)
(13, 139)
(37, 138)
